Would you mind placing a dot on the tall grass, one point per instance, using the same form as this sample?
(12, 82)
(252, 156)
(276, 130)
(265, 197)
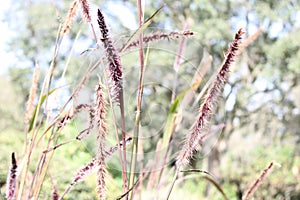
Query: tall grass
(43, 131)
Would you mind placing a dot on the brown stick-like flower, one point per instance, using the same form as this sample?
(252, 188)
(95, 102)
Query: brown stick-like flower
(114, 62)
(208, 106)
(258, 181)
(11, 179)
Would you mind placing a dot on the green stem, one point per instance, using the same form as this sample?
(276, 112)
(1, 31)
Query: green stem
(139, 101)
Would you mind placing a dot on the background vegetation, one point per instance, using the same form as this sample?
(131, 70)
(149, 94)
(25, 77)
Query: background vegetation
(260, 107)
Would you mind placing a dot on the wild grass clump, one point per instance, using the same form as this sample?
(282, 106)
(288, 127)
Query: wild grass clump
(45, 129)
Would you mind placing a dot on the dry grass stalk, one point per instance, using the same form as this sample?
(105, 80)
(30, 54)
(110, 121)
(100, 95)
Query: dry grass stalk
(92, 166)
(114, 62)
(202, 69)
(71, 114)
(179, 55)
(32, 95)
(85, 7)
(84, 172)
(83, 134)
(12, 179)
(116, 89)
(258, 181)
(70, 17)
(112, 150)
(154, 174)
(249, 40)
(178, 60)
(82, 82)
(208, 106)
(81, 175)
(100, 112)
(161, 36)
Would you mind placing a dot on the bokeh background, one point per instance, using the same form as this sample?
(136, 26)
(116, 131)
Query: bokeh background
(260, 107)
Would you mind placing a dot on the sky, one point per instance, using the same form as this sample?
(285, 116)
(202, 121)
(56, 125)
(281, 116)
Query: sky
(120, 10)
(5, 56)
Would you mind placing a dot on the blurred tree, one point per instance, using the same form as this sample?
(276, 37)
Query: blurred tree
(262, 94)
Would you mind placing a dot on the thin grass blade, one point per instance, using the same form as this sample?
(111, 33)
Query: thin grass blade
(141, 29)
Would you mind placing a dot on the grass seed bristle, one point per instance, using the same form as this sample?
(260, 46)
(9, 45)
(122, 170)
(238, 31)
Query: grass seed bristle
(70, 17)
(85, 7)
(113, 58)
(100, 112)
(208, 106)
(11, 179)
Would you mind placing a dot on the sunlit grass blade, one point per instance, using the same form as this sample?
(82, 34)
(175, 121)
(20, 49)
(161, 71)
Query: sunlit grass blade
(218, 187)
(196, 170)
(172, 113)
(171, 123)
(208, 177)
(42, 100)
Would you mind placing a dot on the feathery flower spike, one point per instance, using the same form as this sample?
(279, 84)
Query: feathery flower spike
(208, 106)
(92, 167)
(114, 62)
(81, 175)
(85, 6)
(100, 112)
(70, 17)
(11, 179)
